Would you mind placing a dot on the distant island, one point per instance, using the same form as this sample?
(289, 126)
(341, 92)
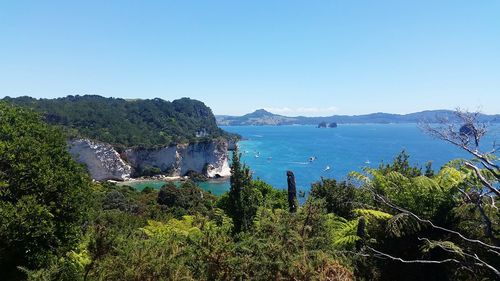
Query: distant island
(263, 117)
(326, 125)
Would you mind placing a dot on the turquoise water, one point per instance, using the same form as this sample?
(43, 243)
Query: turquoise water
(140, 185)
(216, 187)
(344, 149)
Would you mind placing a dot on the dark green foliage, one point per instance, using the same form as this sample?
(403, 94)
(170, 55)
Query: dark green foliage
(429, 172)
(115, 200)
(148, 190)
(112, 197)
(246, 196)
(169, 195)
(272, 198)
(290, 246)
(280, 245)
(44, 194)
(240, 181)
(149, 171)
(401, 164)
(339, 196)
(195, 176)
(61, 270)
(186, 199)
(145, 123)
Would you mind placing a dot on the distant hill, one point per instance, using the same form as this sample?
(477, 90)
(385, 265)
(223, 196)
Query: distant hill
(263, 117)
(144, 123)
(258, 117)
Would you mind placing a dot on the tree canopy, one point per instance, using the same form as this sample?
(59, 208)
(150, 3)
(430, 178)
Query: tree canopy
(43, 192)
(121, 122)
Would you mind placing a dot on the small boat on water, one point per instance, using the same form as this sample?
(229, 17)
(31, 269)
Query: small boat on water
(367, 162)
(312, 158)
(327, 168)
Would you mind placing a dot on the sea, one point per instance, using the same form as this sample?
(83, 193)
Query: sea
(313, 153)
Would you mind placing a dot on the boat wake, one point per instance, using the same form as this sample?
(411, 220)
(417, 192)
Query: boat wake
(299, 163)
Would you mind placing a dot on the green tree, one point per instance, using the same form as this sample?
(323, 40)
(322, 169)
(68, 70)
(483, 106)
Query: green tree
(401, 164)
(44, 194)
(240, 180)
(186, 199)
(339, 196)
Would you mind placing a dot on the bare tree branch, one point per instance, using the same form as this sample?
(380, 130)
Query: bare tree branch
(493, 202)
(395, 207)
(379, 254)
(487, 221)
(482, 179)
(474, 256)
(494, 171)
(469, 126)
(411, 261)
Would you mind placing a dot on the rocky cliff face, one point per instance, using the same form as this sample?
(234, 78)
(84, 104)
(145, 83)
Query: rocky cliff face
(103, 162)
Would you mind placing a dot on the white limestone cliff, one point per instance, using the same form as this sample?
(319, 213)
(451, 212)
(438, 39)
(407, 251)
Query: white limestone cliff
(209, 158)
(102, 160)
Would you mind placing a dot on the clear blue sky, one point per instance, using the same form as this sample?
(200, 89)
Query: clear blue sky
(293, 57)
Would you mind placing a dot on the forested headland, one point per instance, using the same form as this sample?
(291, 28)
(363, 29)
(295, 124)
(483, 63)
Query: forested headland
(394, 222)
(128, 123)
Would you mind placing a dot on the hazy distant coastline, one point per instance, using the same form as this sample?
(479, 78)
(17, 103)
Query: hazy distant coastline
(262, 117)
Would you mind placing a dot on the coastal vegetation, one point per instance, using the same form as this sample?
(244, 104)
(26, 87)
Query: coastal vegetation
(44, 195)
(393, 222)
(127, 123)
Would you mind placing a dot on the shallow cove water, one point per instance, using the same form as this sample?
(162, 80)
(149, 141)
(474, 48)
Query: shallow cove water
(270, 151)
(216, 187)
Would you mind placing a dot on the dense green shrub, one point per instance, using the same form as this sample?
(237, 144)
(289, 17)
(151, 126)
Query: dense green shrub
(44, 194)
(186, 199)
(339, 196)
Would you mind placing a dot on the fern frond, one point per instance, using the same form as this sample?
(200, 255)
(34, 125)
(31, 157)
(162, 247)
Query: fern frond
(379, 215)
(426, 184)
(343, 232)
(445, 245)
(396, 177)
(402, 224)
(346, 241)
(449, 177)
(360, 177)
